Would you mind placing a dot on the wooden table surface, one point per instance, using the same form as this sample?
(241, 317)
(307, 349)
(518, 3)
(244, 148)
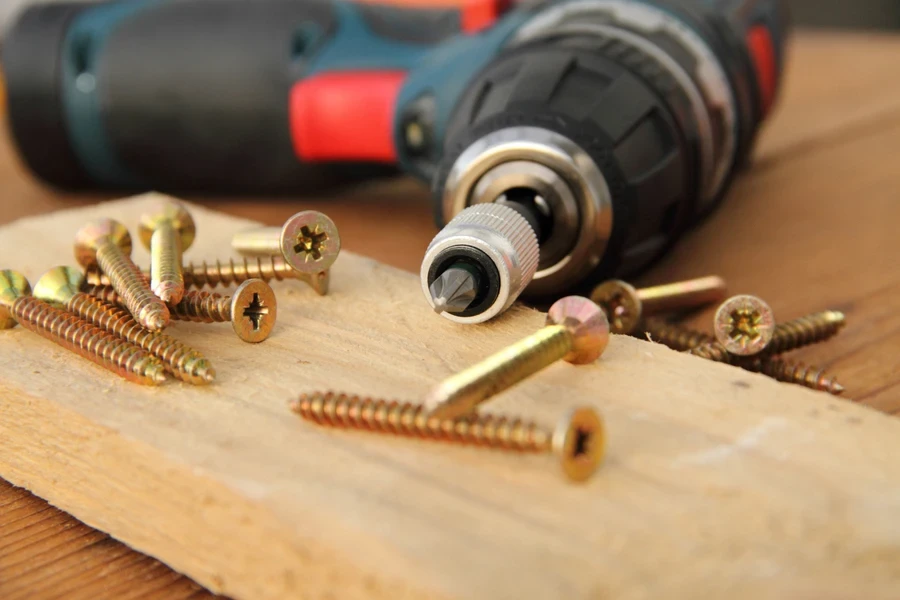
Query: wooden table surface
(811, 225)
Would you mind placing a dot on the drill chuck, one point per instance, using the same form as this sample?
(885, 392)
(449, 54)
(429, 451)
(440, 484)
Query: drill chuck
(493, 246)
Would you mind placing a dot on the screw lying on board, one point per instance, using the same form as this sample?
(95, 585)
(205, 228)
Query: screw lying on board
(104, 349)
(308, 241)
(251, 310)
(234, 272)
(804, 331)
(577, 331)
(167, 233)
(108, 244)
(579, 438)
(625, 306)
(61, 287)
(788, 371)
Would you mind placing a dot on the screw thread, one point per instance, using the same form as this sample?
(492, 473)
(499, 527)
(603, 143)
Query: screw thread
(715, 352)
(412, 420)
(104, 293)
(796, 372)
(235, 272)
(183, 362)
(459, 394)
(202, 307)
(166, 278)
(675, 337)
(116, 355)
(132, 287)
(804, 331)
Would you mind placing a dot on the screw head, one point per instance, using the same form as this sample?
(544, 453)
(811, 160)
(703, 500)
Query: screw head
(744, 325)
(310, 242)
(580, 442)
(89, 237)
(12, 285)
(172, 212)
(588, 324)
(253, 310)
(58, 285)
(621, 304)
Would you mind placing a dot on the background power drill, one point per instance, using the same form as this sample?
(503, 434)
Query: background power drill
(608, 125)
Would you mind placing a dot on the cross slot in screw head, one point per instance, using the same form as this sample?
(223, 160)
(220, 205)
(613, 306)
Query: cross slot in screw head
(744, 325)
(253, 310)
(310, 241)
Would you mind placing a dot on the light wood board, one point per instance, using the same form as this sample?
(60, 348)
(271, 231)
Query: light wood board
(716, 481)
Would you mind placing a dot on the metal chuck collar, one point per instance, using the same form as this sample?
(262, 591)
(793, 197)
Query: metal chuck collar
(478, 264)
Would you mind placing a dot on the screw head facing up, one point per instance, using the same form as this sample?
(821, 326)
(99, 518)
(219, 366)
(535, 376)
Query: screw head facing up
(310, 241)
(12, 285)
(580, 442)
(89, 237)
(253, 310)
(58, 285)
(172, 212)
(621, 303)
(588, 324)
(744, 325)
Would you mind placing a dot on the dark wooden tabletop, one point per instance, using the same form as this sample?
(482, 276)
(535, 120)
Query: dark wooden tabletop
(811, 225)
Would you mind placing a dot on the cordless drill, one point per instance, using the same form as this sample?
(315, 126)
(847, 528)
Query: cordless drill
(609, 126)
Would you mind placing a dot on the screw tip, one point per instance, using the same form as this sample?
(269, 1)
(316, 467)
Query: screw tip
(836, 388)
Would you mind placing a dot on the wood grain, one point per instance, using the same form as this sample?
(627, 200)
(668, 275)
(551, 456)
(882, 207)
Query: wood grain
(716, 479)
(837, 120)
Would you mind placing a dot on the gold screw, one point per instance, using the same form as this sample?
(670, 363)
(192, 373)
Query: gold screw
(251, 310)
(108, 244)
(788, 371)
(167, 233)
(579, 439)
(577, 331)
(232, 272)
(625, 306)
(61, 287)
(744, 325)
(104, 349)
(804, 331)
(308, 241)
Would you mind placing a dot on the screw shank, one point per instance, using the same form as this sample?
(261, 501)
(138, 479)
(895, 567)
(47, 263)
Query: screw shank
(460, 394)
(131, 285)
(166, 278)
(259, 241)
(682, 295)
(202, 307)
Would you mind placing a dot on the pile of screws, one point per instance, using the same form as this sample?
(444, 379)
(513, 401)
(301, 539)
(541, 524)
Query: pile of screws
(113, 313)
(745, 332)
(577, 331)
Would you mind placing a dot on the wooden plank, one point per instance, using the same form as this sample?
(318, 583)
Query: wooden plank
(716, 479)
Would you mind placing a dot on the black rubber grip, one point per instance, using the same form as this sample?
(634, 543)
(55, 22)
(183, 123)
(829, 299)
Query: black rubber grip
(31, 67)
(569, 87)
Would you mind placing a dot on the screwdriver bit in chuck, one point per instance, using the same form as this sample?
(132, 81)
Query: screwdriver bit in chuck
(478, 264)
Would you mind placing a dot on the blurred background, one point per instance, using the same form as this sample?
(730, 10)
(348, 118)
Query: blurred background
(846, 14)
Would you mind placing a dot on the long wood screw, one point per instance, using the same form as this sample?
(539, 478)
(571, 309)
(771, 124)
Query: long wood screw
(167, 233)
(781, 369)
(577, 331)
(578, 440)
(308, 241)
(252, 309)
(234, 272)
(61, 287)
(107, 244)
(100, 347)
(625, 305)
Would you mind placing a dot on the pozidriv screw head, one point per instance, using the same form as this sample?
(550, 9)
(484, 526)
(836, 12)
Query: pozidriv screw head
(588, 324)
(310, 241)
(12, 285)
(580, 442)
(89, 237)
(744, 325)
(172, 212)
(253, 310)
(621, 303)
